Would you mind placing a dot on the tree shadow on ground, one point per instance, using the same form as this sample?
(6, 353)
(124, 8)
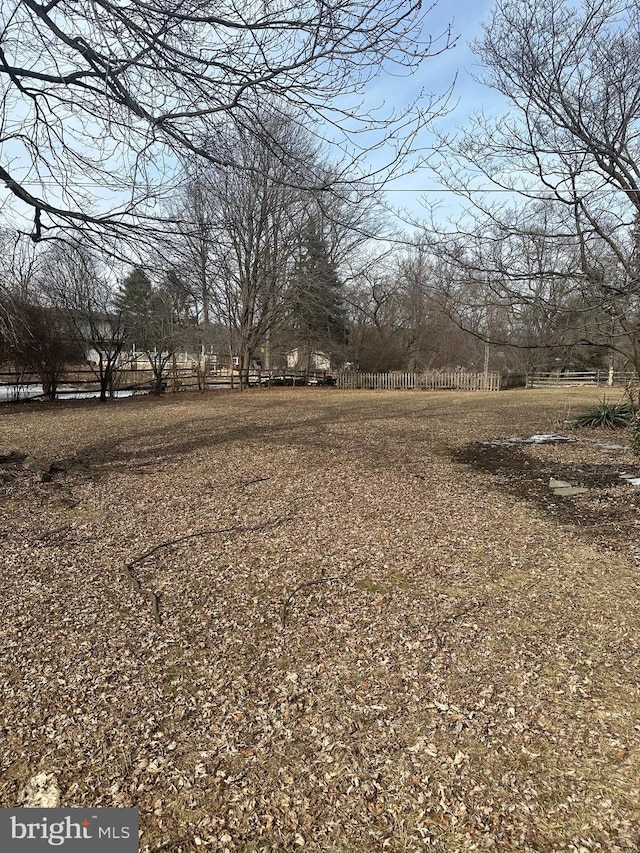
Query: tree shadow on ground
(173, 442)
(323, 429)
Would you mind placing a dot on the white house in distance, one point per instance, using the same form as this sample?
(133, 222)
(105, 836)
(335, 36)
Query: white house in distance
(317, 360)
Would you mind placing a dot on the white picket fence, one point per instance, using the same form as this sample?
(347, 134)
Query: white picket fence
(433, 380)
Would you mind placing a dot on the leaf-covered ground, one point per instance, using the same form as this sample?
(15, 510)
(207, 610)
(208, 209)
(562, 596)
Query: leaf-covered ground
(308, 619)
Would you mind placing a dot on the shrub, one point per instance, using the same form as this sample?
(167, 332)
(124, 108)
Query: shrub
(606, 415)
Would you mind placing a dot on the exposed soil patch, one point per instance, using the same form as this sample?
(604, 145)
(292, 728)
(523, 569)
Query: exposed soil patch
(607, 514)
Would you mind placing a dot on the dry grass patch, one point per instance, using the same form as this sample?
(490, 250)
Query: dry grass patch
(375, 645)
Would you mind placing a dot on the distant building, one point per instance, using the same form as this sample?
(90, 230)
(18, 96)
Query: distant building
(296, 360)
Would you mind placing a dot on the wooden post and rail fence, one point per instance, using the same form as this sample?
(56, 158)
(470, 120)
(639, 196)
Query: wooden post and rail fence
(82, 382)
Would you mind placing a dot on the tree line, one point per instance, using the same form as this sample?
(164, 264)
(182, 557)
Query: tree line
(253, 228)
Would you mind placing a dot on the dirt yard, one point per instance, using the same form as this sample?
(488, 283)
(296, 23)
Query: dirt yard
(330, 621)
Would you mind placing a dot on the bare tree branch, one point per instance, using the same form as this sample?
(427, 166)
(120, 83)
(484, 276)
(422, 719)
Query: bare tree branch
(103, 99)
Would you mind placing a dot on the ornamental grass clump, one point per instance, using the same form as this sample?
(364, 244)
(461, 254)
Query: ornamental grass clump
(607, 415)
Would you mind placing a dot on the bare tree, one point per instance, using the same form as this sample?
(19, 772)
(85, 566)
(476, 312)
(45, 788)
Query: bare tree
(255, 217)
(83, 292)
(192, 249)
(101, 99)
(242, 231)
(401, 317)
(569, 152)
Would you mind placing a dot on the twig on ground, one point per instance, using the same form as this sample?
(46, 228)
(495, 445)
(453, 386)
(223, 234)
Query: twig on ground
(155, 601)
(48, 534)
(314, 582)
(236, 528)
(155, 598)
(303, 586)
(251, 482)
(451, 618)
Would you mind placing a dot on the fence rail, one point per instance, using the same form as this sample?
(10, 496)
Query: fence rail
(82, 382)
(459, 380)
(567, 378)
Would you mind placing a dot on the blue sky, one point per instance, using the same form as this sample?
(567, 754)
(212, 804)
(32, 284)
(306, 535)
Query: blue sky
(436, 75)
(469, 97)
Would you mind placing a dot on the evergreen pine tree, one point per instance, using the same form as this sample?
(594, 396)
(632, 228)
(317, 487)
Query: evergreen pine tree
(317, 313)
